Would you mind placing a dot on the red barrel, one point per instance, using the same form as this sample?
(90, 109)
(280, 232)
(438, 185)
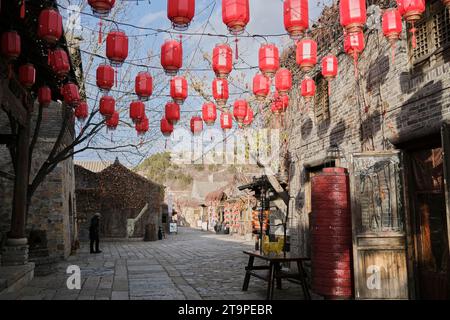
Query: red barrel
(331, 234)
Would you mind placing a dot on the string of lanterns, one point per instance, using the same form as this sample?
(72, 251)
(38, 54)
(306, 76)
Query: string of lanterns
(236, 16)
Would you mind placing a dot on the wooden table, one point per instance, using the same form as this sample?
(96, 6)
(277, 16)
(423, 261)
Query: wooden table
(275, 272)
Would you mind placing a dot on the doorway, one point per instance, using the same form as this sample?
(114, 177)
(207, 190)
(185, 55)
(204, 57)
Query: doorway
(429, 219)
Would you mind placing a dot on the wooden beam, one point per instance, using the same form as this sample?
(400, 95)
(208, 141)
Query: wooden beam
(11, 104)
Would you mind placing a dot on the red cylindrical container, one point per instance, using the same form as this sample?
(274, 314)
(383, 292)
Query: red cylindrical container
(331, 234)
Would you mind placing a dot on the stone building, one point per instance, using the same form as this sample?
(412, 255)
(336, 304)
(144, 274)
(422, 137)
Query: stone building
(394, 115)
(119, 194)
(50, 221)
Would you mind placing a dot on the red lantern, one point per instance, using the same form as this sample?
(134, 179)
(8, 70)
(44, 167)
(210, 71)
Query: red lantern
(180, 12)
(107, 106)
(296, 17)
(220, 91)
(171, 56)
(329, 69)
(196, 125)
(59, 62)
(354, 45)
(275, 107)
(166, 127)
(143, 85)
(236, 15)
(306, 54)
(142, 126)
(117, 47)
(261, 86)
(101, 8)
(240, 110)
(178, 89)
(44, 96)
(50, 25)
(71, 94)
(105, 77)
(226, 120)
(392, 26)
(137, 111)
(27, 75)
(281, 103)
(113, 121)
(308, 89)
(411, 11)
(11, 45)
(222, 60)
(209, 113)
(353, 15)
(172, 112)
(283, 81)
(81, 111)
(248, 118)
(269, 59)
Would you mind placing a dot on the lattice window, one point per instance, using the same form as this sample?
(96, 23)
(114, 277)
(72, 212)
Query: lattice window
(321, 101)
(433, 31)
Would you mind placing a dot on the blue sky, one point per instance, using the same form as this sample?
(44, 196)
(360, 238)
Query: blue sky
(266, 18)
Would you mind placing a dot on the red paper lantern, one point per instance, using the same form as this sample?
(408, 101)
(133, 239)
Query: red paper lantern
(280, 103)
(50, 25)
(411, 11)
(222, 60)
(101, 8)
(113, 121)
(178, 89)
(240, 110)
(105, 77)
(181, 13)
(226, 120)
(269, 59)
(392, 26)
(220, 91)
(296, 17)
(142, 126)
(44, 96)
(11, 45)
(143, 85)
(82, 111)
(236, 15)
(172, 56)
(353, 15)
(261, 86)
(137, 111)
(117, 47)
(283, 81)
(329, 67)
(209, 113)
(248, 118)
(27, 75)
(306, 54)
(308, 89)
(166, 127)
(107, 106)
(172, 112)
(354, 45)
(196, 125)
(71, 94)
(59, 62)
(275, 107)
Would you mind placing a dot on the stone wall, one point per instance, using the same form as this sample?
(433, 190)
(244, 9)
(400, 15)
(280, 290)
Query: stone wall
(51, 219)
(395, 101)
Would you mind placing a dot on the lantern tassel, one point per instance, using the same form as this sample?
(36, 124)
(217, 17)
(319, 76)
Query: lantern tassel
(329, 87)
(393, 52)
(413, 37)
(22, 10)
(115, 77)
(100, 24)
(355, 61)
(10, 71)
(236, 49)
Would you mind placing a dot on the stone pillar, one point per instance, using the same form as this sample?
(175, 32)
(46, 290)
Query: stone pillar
(15, 252)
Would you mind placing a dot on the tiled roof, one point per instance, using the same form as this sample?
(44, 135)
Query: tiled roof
(94, 166)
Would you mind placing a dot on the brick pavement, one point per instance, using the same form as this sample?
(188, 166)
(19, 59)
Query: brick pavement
(189, 265)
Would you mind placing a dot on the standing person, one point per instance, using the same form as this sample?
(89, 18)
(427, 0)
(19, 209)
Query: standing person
(94, 232)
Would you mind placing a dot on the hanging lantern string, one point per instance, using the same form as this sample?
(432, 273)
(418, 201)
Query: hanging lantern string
(413, 35)
(22, 9)
(100, 24)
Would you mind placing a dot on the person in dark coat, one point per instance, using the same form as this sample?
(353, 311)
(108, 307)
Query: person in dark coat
(94, 233)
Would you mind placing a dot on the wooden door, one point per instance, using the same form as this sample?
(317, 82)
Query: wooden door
(378, 222)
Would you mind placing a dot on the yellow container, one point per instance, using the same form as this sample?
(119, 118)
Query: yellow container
(275, 247)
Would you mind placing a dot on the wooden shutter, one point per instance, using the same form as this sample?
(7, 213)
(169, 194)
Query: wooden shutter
(379, 241)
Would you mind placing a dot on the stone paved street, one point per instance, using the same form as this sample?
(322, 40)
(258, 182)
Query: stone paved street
(190, 265)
